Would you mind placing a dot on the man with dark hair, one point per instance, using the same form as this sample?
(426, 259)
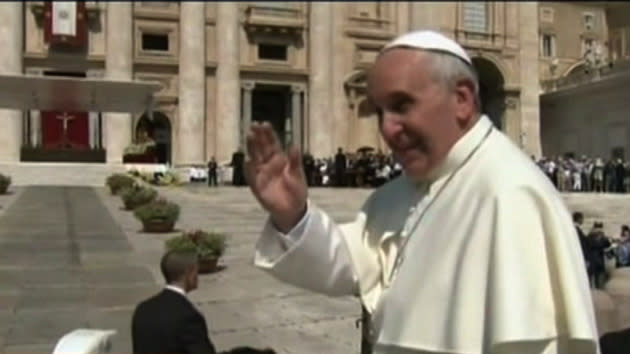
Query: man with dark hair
(168, 322)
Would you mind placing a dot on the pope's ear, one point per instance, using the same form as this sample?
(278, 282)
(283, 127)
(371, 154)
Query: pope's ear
(465, 100)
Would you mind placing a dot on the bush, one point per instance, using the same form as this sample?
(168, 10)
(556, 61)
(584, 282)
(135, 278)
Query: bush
(118, 181)
(168, 179)
(5, 182)
(159, 210)
(207, 245)
(136, 196)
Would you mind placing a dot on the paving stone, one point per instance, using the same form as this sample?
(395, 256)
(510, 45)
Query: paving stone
(30, 349)
(116, 274)
(119, 320)
(43, 327)
(53, 298)
(110, 297)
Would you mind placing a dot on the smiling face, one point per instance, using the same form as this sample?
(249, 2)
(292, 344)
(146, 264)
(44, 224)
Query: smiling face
(420, 116)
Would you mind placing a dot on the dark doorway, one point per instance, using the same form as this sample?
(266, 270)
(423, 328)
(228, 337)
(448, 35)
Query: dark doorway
(491, 90)
(158, 129)
(272, 103)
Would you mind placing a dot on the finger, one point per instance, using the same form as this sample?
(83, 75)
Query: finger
(295, 160)
(271, 143)
(253, 150)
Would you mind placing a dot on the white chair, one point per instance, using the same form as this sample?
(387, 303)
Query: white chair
(85, 341)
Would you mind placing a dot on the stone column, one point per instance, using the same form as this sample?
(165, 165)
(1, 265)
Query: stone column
(296, 115)
(528, 60)
(93, 116)
(118, 66)
(192, 84)
(11, 38)
(228, 85)
(36, 128)
(320, 51)
(246, 120)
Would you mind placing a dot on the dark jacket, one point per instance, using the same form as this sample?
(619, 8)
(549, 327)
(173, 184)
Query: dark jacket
(168, 323)
(616, 342)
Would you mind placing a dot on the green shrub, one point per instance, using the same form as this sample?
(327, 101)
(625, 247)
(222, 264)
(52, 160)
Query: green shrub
(158, 210)
(136, 196)
(207, 245)
(5, 182)
(118, 181)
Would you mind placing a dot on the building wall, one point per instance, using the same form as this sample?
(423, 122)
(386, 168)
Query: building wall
(590, 119)
(566, 23)
(335, 115)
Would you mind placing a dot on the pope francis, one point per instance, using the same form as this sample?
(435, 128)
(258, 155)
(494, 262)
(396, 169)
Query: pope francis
(470, 251)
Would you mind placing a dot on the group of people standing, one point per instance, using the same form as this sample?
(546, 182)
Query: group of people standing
(570, 174)
(598, 248)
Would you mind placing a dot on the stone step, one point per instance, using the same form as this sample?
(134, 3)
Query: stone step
(59, 174)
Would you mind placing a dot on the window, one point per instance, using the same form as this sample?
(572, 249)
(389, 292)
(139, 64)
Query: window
(155, 42)
(546, 14)
(548, 45)
(475, 16)
(272, 52)
(589, 21)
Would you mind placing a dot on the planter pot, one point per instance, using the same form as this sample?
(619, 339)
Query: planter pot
(208, 265)
(158, 226)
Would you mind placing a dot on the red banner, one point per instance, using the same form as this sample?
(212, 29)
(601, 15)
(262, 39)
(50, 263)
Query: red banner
(65, 130)
(57, 28)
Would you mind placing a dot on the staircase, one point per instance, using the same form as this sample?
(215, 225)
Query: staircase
(59, 174)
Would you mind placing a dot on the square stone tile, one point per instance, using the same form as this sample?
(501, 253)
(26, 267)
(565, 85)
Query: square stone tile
(44, 327)
(116, 275)
(104, 245)
(8, 302)
(107, 297)
(46, 298)
(119, 320)
(54, 277)
(30, 349)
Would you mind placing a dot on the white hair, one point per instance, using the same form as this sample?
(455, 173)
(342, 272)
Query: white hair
(449, 70)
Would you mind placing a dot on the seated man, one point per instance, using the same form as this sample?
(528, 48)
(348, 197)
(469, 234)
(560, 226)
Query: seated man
(168, 322)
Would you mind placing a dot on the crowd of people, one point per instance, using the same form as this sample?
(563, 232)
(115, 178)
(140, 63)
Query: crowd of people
(570, 174)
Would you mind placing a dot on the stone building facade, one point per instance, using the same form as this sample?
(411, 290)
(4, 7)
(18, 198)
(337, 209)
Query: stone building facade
(584, 106)
(300, 65)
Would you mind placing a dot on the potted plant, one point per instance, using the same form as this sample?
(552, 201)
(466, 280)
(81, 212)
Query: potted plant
(118, 181)
(209, 247)
(158, 216)
(5, 182)
(136, 196)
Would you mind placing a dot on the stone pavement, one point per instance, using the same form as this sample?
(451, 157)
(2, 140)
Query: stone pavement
(243, 305)
(48, 283)
(73, 258)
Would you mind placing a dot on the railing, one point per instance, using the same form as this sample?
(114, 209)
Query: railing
(586, 77)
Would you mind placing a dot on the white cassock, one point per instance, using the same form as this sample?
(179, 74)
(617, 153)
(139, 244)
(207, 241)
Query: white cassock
(493, 265)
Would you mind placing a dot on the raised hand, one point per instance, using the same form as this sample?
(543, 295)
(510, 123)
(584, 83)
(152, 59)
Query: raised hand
(275, 177)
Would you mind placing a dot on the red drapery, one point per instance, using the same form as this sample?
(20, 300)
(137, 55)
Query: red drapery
(77, 134)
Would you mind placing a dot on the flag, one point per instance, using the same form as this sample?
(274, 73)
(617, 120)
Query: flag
(64, 19)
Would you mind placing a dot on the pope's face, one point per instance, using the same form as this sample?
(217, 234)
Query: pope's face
(419, 117)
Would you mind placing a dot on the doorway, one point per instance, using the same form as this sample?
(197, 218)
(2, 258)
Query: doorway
(272, 103)
(491, 91)
(158, 129)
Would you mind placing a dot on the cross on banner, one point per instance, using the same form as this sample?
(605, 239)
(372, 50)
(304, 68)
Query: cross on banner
(65, 118)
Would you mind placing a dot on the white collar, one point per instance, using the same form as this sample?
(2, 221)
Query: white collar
(176, 289)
